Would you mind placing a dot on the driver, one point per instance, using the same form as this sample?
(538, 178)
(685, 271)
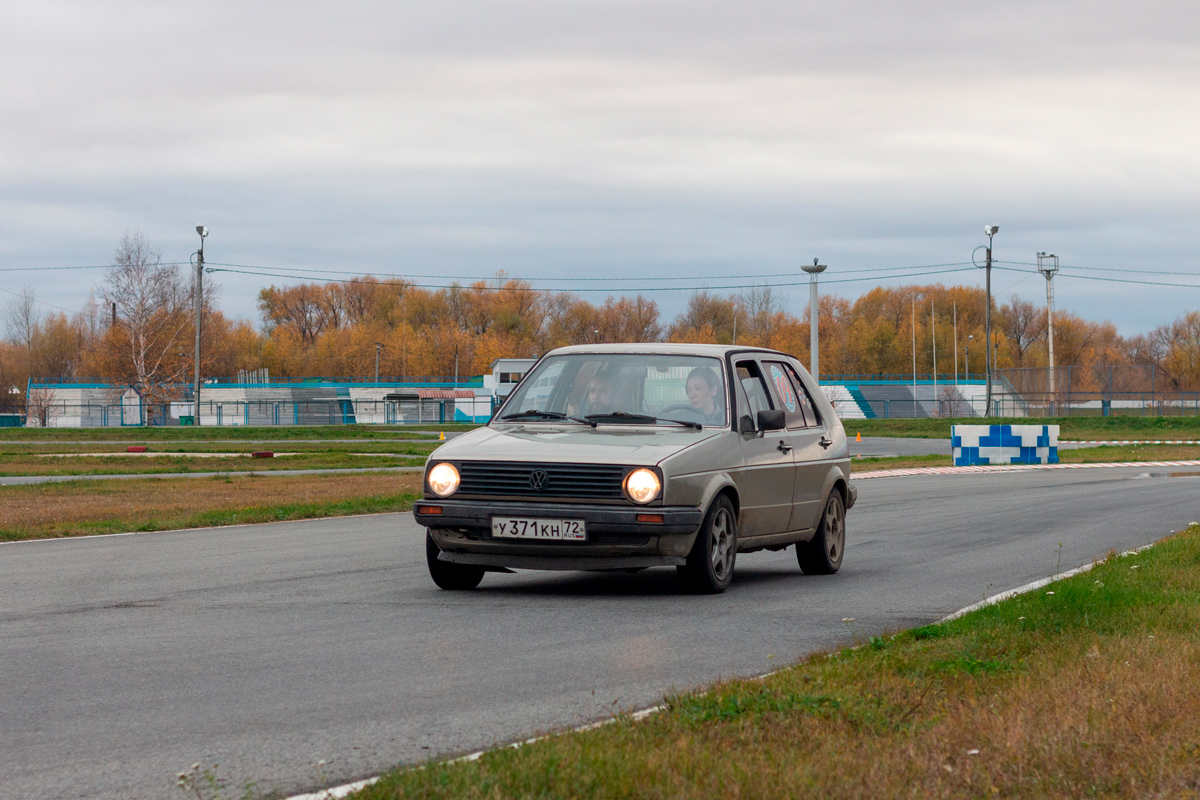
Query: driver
(601, 394)
(704, 393)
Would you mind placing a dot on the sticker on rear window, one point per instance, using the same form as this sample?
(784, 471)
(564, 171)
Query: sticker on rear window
(784, 386)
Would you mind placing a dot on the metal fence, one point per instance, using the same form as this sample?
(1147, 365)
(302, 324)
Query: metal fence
(260, 412)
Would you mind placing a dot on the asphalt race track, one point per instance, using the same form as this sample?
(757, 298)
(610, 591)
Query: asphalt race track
(265, 649)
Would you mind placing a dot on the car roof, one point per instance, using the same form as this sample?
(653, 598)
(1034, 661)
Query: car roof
(717, 350)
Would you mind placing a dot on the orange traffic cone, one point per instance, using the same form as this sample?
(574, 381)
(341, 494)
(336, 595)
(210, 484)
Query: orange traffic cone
(859, 437)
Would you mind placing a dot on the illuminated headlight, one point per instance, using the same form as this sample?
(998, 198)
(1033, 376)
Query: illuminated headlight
(443, 479)
(642, 485)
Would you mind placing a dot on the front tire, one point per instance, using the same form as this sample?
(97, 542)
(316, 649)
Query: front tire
(823, 554)
(709, 567)
(453, 577)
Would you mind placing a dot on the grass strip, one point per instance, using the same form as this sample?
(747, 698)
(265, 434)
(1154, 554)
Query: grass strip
(108, 465)
(82, 508)
(1085, 428)
(1089, 687)
(1104, 454)
(240, 432)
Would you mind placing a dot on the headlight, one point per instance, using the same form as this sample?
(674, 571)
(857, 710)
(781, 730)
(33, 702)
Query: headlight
(642, 485)
(443, 479)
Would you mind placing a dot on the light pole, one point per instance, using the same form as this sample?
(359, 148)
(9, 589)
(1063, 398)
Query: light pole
(989, 231)
(813, 271)
(377, 346)
(1048, 266)
(203, 231)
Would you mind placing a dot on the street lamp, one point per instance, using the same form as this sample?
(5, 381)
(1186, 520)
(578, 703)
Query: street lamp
(813, 271)
(1048, 266)
(203, 231)
(989, 231)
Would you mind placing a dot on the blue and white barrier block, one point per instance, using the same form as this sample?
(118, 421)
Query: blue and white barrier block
(1004, 444)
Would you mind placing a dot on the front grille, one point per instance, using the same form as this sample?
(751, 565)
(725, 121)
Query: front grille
(517, 479)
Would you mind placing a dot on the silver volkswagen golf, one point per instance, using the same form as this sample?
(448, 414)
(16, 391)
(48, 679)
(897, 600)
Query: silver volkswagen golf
(627, 456)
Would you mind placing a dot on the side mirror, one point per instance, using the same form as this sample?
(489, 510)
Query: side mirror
(746, 425)
(771, 420)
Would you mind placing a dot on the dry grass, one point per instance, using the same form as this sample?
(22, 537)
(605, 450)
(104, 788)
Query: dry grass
(1090, 688)
(79, 508)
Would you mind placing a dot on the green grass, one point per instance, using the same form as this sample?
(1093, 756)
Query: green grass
(1103, 454)
(238, 433)
(1089, 687)
(1099, 428)
(136, 465)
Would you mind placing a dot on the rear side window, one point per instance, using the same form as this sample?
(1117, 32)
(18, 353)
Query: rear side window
(812, 418)
(751, 379)
(789, 398)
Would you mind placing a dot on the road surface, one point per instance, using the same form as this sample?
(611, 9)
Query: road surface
(265, 649)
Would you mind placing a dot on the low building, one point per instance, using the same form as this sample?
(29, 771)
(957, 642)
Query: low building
(504, 374)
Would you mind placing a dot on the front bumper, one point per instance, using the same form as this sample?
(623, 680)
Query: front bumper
(615, 537)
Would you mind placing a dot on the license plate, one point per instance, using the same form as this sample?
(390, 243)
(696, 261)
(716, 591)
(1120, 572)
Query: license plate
(561, 529)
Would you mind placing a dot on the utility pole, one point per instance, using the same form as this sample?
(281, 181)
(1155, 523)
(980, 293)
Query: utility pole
(456, 365)
(1048, 266)
(203, 231)
(377, 346)
(813, 271)
(956, 343)
(990, 230)
(914, 353)
(933, 336)
(967, 355)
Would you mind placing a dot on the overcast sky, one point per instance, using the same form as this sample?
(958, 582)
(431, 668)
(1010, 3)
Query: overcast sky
(621, 140)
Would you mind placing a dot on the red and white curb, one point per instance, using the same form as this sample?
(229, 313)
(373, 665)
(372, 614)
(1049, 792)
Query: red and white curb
(344, 790)
(917, 471)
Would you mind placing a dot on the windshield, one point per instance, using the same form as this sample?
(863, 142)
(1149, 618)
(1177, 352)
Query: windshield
(605, 387)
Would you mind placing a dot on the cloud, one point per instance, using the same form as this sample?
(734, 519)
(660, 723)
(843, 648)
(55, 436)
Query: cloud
(630, 138)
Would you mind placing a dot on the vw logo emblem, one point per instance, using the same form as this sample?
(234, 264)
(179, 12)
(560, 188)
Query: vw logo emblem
(539, 480)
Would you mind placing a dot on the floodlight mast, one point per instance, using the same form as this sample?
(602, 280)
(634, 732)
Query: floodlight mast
(1048, 266)
(203, 231)
(816, 269)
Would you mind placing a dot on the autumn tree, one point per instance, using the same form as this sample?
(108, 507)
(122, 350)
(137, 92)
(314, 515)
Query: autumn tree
(153, 304)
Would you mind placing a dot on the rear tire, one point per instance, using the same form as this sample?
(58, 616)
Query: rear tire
(823, 554)
(453, 577)
(709, 567)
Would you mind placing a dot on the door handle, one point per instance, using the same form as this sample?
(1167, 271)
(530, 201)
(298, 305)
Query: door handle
(825, 442)
(784, 447)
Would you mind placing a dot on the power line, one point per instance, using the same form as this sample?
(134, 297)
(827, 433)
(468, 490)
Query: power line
(443, 276)
(1115, 280)
(39, 302)
(82, 266)
(1108, 269)
(609, 290)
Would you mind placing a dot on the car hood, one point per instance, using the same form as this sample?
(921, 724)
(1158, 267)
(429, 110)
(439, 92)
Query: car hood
(605, 444)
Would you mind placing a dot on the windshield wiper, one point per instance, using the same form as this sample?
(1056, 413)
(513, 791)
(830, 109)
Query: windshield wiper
(534, 413)
(637, 419)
